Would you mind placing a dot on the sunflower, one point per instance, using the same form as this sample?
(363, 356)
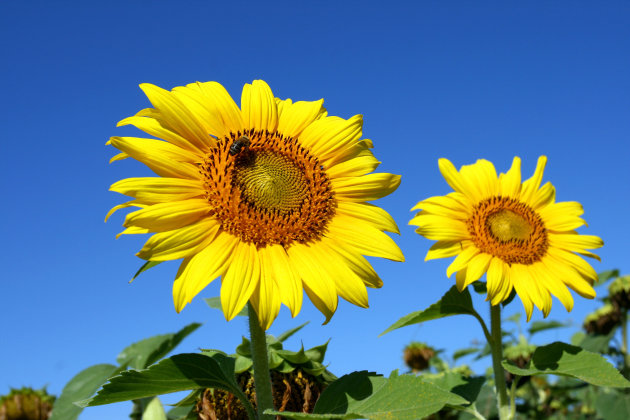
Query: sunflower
(272, 198)
(514, 232)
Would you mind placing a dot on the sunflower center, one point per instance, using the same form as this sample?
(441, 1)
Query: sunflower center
(269, 191)
(270, 181)
(508, 229)
(505, 225)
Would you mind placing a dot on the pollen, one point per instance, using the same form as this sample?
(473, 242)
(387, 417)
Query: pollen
(272, 192)
(508, 229)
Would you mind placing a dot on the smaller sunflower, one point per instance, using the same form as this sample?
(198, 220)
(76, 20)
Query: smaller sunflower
(513, 232)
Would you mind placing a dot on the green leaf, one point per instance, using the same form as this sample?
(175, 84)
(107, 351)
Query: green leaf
(245, 348)
(182, 372)
(486, 404)
(294, 357)
(366, 395)
(215, 303)
(466, 387)
(285, 335)
(154, 410)
(538, 326)
(453, 302)
(148, 351)
(145, 267)
(613, 406)
(563, 359)
(510, 298)
(604, 276)
(242, 364)
(598, 343)
(80, 387)
(465, 352)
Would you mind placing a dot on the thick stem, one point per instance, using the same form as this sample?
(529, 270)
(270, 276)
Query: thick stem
(262, 379)
(624, 344)
(497, 356)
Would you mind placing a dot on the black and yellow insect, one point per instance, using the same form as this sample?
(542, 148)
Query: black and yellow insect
(239, 144)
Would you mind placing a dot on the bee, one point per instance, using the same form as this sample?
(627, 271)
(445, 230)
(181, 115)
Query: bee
(238, 144)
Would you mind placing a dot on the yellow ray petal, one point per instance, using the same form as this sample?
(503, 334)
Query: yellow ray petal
(132, 231)
(295, 117)
(446, 206)
(179, 117)
(444, 249)
(317, 283)
(574, 261)
(266, 297)
(562, 216)
(462, 260)
(159, 190)
(457, 181)
(198, 271)
(157, 129)
(573, 242)
(545, 196)
(258, 105)
(130, 203)
(481, 177)
(364, 238)
(370, 213)
(240, 280)
(279, 268)
(518, 279)
(495, 278)
(510, 182)
(356, 262)
(551, 281)
(161, 163)
(365, 188)
(532, 184)
(326, 136)
(179, 243)
(354, 167)
(477, 267)
(220, 103)
(168, 216)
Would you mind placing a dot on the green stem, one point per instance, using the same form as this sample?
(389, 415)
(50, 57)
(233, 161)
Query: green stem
(515, 380)
(624, 344)
(262, 379)
(496, 344)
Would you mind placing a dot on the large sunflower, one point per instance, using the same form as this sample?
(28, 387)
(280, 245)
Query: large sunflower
(516, 233)
(271, 197)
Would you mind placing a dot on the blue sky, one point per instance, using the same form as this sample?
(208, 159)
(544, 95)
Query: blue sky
(432, 79)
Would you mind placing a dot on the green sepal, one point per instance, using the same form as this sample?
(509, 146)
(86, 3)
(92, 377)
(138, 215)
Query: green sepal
(566, 360)
(215, 303)
(145, 267)
(242, 364)
(294, 357)
(285, 335)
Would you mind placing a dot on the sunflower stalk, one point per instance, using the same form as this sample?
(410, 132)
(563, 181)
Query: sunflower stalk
(496, 344)
(262, 378)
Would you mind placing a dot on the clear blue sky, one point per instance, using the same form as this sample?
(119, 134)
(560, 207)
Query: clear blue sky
(462, 80)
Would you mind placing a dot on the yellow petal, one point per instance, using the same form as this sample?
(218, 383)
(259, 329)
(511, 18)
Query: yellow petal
(532, 184)
(317, 283)
(132, 231)
(278, 267)
(295, 117)
(179, 243)
(198, 271)
(462, 260)
(364, 238)
(356, 262)
(444, 249)
(178, 116)
(266, 296)
(354, 167)
(159, 190)
(168, 216)
(220, 103)
(574, 242)
(326, 136)
(258, 106)
(370, 213)
(477, 267)
(562, 216)
(545, 196)
(510, 182)
(365, 188)
(457, 181)
(519, 279)
(240, 280)
(114, 209)
(157, 160)
(446, 206)
(156, 128)
(550, 280)
(575, 261)
(482, 177)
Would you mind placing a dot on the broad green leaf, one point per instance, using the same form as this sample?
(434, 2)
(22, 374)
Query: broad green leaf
(453, 302)
(466, 387)
(215, 303)
(285, 335)
(82, 386)
(154, 410)
(604, 276)
(613, 406)
(486, 404)
(538, 326)
(597, 343)
(148, 351)
(182, 372)
(465, 352)
(145, 267)
(563, 359)
(365, 395)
